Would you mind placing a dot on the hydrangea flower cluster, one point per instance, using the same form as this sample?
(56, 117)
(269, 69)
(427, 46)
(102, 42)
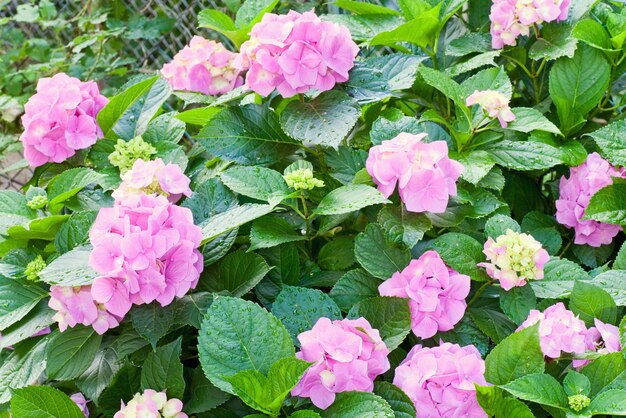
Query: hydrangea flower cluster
(153, 177)
(127, 152)
(60, 118)
(79, 399)
(512, 18)
(436, 293)
(440, 380)
(302, 179)
(494, 104)
(33, 268)
(514, 259)
(145, 249)
(203, 66)
(575, 194)
(75, 305)
(603, 338)
(348, 355)
(425, 175)
(295, 53)
(151, 404)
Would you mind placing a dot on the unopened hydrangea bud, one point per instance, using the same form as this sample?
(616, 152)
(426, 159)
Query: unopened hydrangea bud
(302, 179)
(127, 152)
(37, 202)
(494, 104)
(34, 268)
(514, 259)
(578, 402)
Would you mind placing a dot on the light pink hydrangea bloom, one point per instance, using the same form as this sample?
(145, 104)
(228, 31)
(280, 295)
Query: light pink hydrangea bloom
(348, 355)
(603, 338)
(80, 400)
(60, 118)
(154, 177)
(203, 66)
(295, 53)
(514, 258)
(494, 104)
(74, 305)
(512, 18)
(151, 404)
(436, 293)
(559, 330)
(425, 176)
(440, 380)
(575, 194)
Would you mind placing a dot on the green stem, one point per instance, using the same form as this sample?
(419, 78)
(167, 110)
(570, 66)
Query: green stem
(479, 292)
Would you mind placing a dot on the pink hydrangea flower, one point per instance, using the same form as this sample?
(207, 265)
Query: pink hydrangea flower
(348, 355)
(425, 176)
(80, 400)
(295, 53)
(514, 258)
(494, 104)
(604, 338)
(203, 66)
(436, 293)
(60, 118)
(575, 193)
(154, 177)
(512, 18)
(151, 404)
(440, 380)
(74, 305)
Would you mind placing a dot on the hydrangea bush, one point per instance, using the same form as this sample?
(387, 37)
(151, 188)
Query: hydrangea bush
(412, 210)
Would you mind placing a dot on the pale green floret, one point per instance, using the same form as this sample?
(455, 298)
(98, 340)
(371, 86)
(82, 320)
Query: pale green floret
(302, 179)
(37, 202)
(34, 268)
(578, 402)
(127, 152)
(520, 254)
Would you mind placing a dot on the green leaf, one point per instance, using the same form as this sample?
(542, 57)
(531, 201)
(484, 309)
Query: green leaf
(559, 278)
(450, 88)
(462, 253)
(466, 332)
(491, 400)
(267, 394)
(39, 318)
(204, 396)
(608, 205)
(70, 269)
(248, 135)
(365, 27)
(17, 299)
(44, 228)
(68, 184)
(376, 255)
(124, 385)
(199, 116)
(251, 11)
(613, 283)
(399, 70)
(233, 218)
(428, 23)
(402, 226)
(210, 198)
(398, 400)
(490, 79)
(362, 8)
(13, 209)
(609, 402)
(256, 182)
(349, 198)
(238, 335)
(577, 84)
(517, 302)
(603, 370)
(367, 84)
(499, 224)
(270, 231)
(22, 367)
(237, 273)
(517, 355)
(71, 352)
(525, 155)
(611, 141)
(353, 287)
(576, 383)
(163, 370)
(337, 254)
(43, 402)
(540, 388)
(358, 405)
(528, 119)
(75, 231)
(476, 165)
(555, 42)
(345, 162)
(325, 120)
(164, 128)
(589, 302)
(152, 321)
(620, 259)
(219, 21)
(99, 375)
(299, 309)
(592, 33)
(389, 315)
(493, 323)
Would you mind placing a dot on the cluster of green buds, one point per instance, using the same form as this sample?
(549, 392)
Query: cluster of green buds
(302, 179)
(33, 268)
(578, 402)
(127, 152)
(37, 202)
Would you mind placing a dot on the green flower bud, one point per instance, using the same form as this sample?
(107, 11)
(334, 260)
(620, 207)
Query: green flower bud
(37, 202)
(34, 268)
(302, 179)
(578, 402)
(127, 152)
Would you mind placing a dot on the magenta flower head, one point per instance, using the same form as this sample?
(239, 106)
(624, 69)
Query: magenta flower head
(154, 177)
(203, 66)
(425, 175)
(603, 338)
(575, 193)
(151, 404)
(514, 258)
(75, 305)
(60, 118)
(436, 293)
(295, 53)
(494, 104)
(79, 399)
(347, 355)
(440, 380)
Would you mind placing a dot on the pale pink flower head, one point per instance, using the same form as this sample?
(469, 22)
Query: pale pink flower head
(60, 118)
(75, 305)
(151, 404)
(426, 177)
(514, 258)
(494, 104)
(603, 338)
(203, 66)
(440, 380)
(347, 355)
(295, 53)
(575, 194)
(559, 330)
(154, 177)
(79, 399)
(436, 293)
